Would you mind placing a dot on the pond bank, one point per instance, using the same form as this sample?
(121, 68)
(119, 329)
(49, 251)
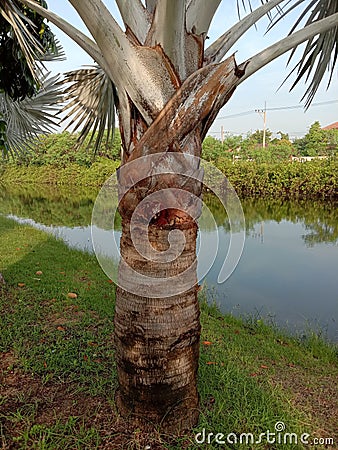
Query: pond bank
(54, 348)
(289, 258)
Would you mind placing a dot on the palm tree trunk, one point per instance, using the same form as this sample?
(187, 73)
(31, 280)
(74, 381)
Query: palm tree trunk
(157, 338)
(157, 326)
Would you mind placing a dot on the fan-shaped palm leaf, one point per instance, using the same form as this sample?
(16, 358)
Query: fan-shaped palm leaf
(321, 52)
(91, 99)
(23, 121)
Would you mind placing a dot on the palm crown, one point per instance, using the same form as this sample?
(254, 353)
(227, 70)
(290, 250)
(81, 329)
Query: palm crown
(93, 93)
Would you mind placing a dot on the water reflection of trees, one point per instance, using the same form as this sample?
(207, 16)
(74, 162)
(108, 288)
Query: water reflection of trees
(59, 206)
(319, 218)
(72, 206)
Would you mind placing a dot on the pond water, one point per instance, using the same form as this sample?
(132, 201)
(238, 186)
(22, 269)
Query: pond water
(288, 271)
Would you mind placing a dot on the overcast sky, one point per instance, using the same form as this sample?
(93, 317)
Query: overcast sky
(252, 94)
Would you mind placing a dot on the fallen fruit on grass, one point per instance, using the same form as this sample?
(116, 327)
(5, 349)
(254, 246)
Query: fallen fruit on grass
(38, 272)
(21, 284)
(207, 343)
(71, 295)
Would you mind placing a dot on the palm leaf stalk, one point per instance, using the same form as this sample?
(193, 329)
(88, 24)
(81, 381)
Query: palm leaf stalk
(319, 55)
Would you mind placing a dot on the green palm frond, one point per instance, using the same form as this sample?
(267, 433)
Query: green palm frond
(90, 104)
(25, 42)
(321, 52)
(21, 30)
(22, 121)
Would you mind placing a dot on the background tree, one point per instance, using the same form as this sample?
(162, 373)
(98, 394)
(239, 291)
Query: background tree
(168, 88)
(283, 136)
(256, 139)
(315, 142)
(232, 142)
(252, 147)
(214, 148)
(332, 142)
(281, 149)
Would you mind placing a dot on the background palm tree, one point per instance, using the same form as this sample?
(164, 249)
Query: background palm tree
(28, 98)
(26, 41)
(168, 87)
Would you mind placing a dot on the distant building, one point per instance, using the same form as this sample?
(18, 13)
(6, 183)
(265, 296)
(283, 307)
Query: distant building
(333, 126)
(306, 158)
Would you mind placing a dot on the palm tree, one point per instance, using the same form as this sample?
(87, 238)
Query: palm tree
(28, 98)
(26, 41)
(168, 88)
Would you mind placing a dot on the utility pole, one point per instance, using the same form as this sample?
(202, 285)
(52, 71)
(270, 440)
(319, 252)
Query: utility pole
(222, 134)
(262, 112)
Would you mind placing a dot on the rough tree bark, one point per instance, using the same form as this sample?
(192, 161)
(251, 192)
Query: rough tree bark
(157, 332)
(157, 339)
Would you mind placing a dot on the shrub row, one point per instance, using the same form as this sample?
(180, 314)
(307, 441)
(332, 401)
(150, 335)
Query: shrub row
(288, 179)
(73, 174)
(62, 149)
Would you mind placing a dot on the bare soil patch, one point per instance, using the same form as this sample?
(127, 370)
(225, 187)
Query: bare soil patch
(51, 402)
(315, 394)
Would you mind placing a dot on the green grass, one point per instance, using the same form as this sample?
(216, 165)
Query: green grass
(257, 367)
(58, 376)
(53, 334)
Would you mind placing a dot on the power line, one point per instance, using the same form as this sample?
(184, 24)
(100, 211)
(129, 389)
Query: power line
(301, 106)
(279, 108)
(236, 115)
